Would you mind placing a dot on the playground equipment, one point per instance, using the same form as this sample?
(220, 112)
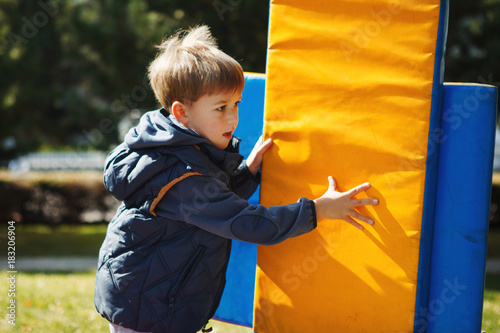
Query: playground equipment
(354, 90)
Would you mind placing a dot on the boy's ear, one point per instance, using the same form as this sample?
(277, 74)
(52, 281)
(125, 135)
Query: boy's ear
(179, 112)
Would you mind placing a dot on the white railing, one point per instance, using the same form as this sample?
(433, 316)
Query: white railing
(46, 161)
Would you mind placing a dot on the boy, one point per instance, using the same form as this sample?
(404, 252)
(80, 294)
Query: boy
(183, 185)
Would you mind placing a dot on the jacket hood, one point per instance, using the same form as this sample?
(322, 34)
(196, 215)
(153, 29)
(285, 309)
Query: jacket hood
(156, 129)
(157, 144)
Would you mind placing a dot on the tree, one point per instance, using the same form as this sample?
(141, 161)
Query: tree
(76, 68)
(473, 46)
(73, 70)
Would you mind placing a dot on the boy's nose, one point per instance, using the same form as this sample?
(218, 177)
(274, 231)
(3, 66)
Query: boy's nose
(233, 116)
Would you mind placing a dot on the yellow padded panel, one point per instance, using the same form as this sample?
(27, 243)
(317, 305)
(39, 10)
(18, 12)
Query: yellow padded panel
(348, 94)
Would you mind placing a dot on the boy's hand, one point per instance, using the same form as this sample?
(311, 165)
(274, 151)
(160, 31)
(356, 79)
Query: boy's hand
(254, 160)
(341, 205)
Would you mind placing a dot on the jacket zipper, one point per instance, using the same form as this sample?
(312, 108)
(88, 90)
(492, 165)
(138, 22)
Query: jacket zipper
(184, 276)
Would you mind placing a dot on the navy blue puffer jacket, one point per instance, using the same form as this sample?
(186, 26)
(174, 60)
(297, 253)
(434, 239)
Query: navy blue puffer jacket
(162, 265)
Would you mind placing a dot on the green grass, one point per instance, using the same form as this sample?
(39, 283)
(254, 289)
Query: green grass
(62, 303)
(491, 305)
(52, 303)
(62, 241)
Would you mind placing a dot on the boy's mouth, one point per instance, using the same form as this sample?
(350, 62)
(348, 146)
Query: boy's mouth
(228, 135)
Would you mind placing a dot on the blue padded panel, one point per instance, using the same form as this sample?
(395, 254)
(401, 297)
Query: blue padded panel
(432, 167)
(236, 305)
(467, 142)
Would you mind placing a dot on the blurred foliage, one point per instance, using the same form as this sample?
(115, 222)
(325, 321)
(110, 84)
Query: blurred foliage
(73, 72)
(53, 198)
(473, 46)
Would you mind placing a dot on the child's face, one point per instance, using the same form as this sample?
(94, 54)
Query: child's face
(214, 117)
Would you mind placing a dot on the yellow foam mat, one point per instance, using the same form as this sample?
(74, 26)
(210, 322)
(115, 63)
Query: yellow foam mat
(348, 94)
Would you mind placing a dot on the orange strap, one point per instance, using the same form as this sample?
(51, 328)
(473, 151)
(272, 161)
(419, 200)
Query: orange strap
(167, 187)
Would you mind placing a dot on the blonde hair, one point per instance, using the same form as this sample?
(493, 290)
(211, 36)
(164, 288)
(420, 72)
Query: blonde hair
(189, 65)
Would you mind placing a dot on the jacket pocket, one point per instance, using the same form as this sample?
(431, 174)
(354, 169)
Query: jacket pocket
(184, 276)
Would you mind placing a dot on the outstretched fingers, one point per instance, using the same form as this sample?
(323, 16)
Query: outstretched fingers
(342, 205)
(358, 203)
(364, 202)
(350, 220)
(361, 217)
(358, 189)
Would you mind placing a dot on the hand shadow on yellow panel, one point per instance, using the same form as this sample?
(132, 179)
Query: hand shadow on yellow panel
(392, 238)
(350, 303)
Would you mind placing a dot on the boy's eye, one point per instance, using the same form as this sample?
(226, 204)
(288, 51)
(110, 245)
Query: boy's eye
(222, 108)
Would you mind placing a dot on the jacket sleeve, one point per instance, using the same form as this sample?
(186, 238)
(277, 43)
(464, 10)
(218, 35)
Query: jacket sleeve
(243, 183)
(208, 204)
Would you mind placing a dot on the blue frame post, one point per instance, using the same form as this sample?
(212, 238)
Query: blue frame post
(458, 260)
